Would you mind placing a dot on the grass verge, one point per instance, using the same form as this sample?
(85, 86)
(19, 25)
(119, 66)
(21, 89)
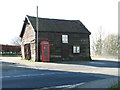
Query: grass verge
(117, 85)
(27, 60)
(107, 57)
(10, 55)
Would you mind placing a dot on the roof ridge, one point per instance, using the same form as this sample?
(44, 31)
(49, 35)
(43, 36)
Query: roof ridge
(52, 18)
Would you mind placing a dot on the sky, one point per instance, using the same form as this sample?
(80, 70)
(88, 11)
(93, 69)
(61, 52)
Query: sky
(94, 14)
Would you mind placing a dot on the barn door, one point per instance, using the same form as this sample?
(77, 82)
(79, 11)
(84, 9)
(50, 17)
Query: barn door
(27, 51)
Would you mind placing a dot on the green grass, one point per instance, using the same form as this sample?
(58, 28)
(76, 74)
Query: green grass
(117, 85)
(107, 57)
(27, 60)
(10, 55)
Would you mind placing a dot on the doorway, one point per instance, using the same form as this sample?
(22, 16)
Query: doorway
(27, 51)
(44, 51)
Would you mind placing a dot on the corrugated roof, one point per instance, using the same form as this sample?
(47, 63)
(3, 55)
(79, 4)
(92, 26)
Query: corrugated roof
(58, 25)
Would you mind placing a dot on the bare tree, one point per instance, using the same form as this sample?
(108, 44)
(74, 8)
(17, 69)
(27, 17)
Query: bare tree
(97, 42)
(111, 45)
(119, 46)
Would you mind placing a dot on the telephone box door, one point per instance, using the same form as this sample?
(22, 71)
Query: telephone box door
(44, 51)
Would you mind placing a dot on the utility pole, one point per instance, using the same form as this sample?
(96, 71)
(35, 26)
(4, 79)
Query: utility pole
(37, 33)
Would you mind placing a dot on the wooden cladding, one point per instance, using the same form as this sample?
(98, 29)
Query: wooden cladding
(57, 48)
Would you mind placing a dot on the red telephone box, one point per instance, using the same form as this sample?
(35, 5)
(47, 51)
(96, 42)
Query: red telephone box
(44, 51)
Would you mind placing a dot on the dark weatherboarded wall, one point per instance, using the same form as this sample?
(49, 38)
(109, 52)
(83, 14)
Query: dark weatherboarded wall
(65, 50)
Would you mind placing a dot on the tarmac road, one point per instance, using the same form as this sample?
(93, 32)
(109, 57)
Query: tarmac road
(54, 75)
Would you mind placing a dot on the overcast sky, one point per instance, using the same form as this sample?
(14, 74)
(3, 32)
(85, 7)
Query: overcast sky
(92, 13)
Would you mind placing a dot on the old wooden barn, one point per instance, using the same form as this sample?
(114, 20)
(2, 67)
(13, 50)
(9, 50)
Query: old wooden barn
(58, 40)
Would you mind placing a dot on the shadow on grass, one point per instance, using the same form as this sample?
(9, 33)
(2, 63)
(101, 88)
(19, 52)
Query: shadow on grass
(117, 85)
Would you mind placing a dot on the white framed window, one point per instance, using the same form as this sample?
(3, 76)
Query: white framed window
(76, 49)
(64, 38)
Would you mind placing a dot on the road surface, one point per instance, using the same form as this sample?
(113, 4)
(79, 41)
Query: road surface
(15, 75)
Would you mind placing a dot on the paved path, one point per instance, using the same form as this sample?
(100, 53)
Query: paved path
(67, 74)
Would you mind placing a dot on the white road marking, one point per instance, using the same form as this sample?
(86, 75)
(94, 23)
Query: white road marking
(96, 63)
(28, 75)
(65, 86)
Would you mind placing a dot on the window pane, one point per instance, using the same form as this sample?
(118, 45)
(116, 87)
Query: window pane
(74, 49)
(64, 38)
(78, 49)
(46, 52)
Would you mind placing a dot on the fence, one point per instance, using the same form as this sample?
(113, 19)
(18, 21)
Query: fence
(10, 49)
